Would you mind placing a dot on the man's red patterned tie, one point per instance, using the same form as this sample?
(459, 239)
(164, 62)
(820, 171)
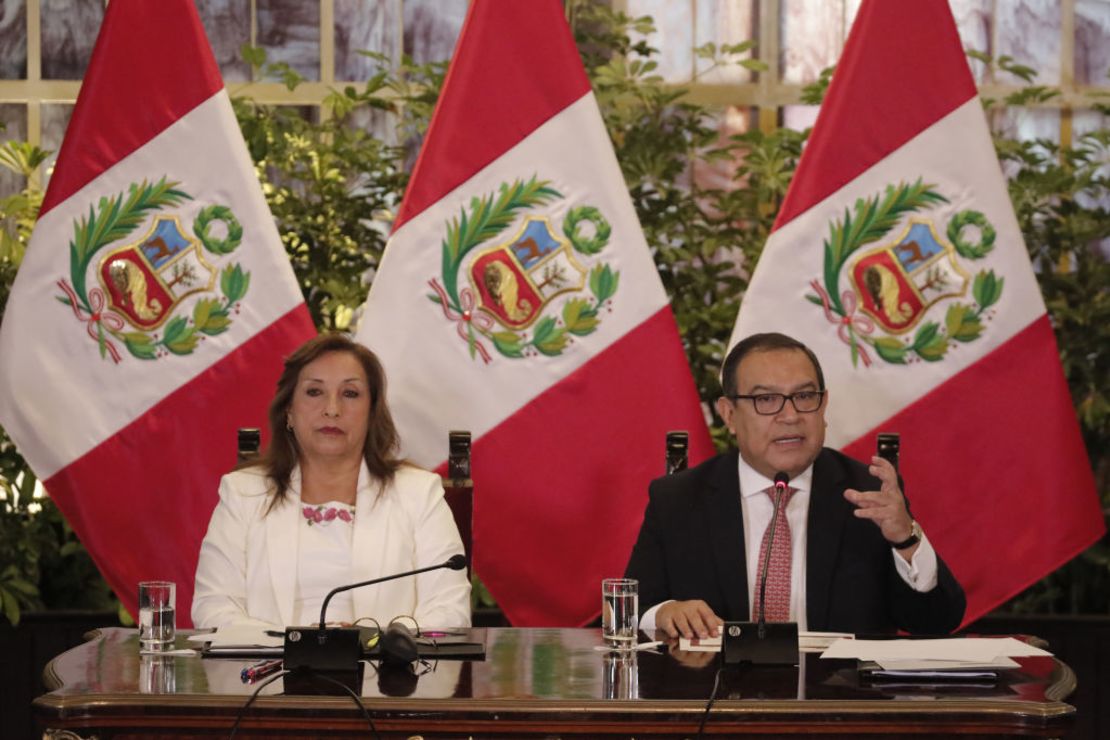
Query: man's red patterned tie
(778, 568)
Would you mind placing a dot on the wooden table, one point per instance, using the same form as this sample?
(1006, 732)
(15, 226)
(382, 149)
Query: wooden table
(548, 682)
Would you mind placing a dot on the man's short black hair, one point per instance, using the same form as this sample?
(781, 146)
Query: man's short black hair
(763, 343)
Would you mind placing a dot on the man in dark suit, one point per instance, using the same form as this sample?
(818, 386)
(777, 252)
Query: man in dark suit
(846, 555)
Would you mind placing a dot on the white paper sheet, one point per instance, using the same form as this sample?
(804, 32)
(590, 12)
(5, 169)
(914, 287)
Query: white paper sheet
(962, 649)
(808, 642)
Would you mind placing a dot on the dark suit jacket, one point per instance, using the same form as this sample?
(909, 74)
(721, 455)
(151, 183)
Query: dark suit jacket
(691, 546)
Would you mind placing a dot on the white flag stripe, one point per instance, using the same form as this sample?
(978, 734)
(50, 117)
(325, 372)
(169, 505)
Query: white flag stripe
(49, 355)
(421, 341)
(955, 155)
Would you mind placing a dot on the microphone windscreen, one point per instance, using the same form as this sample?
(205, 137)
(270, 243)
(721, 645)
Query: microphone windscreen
(456, 562)
(782, 480)
(398, 645)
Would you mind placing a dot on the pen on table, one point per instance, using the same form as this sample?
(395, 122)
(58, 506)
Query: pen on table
(260, 669)
(275, 633)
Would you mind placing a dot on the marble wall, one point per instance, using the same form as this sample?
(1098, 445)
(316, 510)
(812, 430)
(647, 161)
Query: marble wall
(69, 29)
(13, 39)
(1092, 42)
(289, 31)
(13, 117)
(228, 25)
(365, 25)
(431, 28)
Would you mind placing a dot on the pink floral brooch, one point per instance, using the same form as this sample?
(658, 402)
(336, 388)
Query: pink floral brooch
(322, 514)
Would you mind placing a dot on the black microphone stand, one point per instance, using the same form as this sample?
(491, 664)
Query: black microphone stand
(759, 642)
(339, 650)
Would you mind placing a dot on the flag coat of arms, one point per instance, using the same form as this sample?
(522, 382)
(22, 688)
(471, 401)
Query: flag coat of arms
(517, 299)
(897, 258)
(152, 312)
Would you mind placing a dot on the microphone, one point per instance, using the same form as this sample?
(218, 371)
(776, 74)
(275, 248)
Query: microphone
(455, 562)
(781, 486)
(757, 642)
(398, 646)
(322, 648)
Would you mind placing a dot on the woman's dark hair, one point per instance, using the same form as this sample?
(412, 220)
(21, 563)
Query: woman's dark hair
(283, 453)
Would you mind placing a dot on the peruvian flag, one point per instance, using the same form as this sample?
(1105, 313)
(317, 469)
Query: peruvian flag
(897, 258)
(517, 299)
(151, 315)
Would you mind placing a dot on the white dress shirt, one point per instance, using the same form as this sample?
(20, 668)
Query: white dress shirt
(920, 574)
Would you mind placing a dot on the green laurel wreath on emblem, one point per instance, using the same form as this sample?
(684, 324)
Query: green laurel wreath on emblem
(487, 217)
(115, 218)
(986, 234)
(212, 244)
(872, 219)
(602, 229)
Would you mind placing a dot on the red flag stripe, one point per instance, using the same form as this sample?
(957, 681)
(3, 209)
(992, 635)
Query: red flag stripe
(147, 73)
(1007, 524)
(158, 514)
(484, 112)
(612, 405)
(884, 82)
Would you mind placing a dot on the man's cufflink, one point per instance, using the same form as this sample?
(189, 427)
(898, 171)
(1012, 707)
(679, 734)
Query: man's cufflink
(913, 539)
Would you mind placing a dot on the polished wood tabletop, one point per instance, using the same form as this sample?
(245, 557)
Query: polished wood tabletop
(547, 682)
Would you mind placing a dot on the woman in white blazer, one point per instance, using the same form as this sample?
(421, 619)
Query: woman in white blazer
(329, 503)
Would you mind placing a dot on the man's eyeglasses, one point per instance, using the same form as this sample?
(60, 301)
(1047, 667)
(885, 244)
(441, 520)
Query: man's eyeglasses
(767, 404)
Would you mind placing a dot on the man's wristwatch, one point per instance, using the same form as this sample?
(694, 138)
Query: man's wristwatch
(913, 539)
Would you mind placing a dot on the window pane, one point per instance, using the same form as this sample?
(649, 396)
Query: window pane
(799, 117)
(673, 37)
(55, 118)
(69, 29)
(13, 39)
(13, 117)
(431, 27)
(973, 19)
(811, 36)
(1086, 122)
(721, 173)
(380, 124)
(365, 25)
(228, 26)
(1092, 42)
(1029, 31)
(724, 22)
(289, 31)
(1027, 124)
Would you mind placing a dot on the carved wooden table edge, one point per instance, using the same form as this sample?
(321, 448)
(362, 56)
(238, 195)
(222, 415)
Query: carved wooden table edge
(522, 714)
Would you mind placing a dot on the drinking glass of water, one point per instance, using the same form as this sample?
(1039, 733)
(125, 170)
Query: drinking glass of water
(157, 622)
(620, 612)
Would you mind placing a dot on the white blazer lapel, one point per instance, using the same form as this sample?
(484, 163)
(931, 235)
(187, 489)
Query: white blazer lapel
(368, 548)
(282, 544)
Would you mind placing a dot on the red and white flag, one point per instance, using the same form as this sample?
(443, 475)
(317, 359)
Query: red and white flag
(154, 307)
(517, 299)
(897, 258)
